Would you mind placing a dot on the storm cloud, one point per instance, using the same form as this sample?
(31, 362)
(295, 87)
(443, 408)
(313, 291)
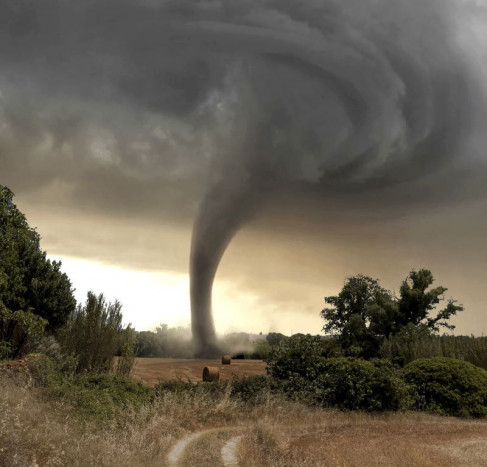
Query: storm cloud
(219, 110)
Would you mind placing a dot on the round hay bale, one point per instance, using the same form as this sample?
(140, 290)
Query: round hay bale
(226, 360)
(211, 373)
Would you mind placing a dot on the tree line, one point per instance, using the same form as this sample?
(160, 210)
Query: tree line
(37, 300)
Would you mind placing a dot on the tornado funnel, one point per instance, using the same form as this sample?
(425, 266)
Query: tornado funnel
(220, 215)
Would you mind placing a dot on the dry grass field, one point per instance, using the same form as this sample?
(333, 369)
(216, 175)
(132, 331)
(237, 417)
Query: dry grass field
(185, 431)
(152, 370)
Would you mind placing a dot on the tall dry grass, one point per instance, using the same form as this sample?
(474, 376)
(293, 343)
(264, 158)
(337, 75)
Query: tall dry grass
(36, 432)
(331, 438)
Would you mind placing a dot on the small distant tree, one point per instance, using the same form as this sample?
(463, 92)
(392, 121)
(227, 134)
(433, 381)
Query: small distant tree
(274, 338)
(363, 314)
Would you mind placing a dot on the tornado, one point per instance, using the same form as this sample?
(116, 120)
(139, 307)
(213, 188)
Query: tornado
(213, 109)
(217, 221)
(320, 95)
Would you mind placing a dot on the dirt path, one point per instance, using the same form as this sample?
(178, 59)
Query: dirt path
(229, 452)
(193, 446)
(177, 452)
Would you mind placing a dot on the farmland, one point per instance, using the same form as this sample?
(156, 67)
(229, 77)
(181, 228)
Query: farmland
(188, 430)
(152, 370)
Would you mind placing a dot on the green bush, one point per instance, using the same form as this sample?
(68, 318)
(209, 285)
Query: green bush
(95, 334)
(106, 396)
(305, 374)
(251, 389)
(447, 386)
(45, 371)
(296, 357)
(97, 397)
(350, 384)
(18, 330)
(5, 350)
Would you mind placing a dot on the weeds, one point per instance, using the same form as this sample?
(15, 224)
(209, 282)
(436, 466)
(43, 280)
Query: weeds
(42, 425)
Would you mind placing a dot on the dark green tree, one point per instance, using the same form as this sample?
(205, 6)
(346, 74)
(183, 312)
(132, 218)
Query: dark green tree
(416, 303)
(274, 338)
(363, 314)
(31, 282)
(352, 310)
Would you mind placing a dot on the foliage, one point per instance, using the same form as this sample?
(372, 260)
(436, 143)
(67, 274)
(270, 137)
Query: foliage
(303, 369)
(18, 330)
(28, 280)
(176, 343)
(414, 342)
(448, 386)
(215, 391)
(106, 396)
(275, 338)
(353, 311)
(94, 333)
(363, 314)
(261, 350)
(5, 350)
(164, 342)
(126, 351)
(299, 356)
(63, 363)
(252, 389)
(98, 397)
(305, 374)
(416, 303)
(349, 383)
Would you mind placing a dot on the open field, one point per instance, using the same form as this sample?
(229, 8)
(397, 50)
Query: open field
(152, 370)
(187, 431)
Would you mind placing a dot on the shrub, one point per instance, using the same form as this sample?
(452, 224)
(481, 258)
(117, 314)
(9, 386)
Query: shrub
(63, 363)
(305, 374)
(251, 389)
(447, 386)
(350, 383)
(94, 334)
(165, 342)
(100, 397)
(5, 350)
(298, 356)
(261, 351)
(18, 330)
(109, 394)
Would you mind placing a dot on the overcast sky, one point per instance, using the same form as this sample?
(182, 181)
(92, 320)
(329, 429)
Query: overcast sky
(339, 138)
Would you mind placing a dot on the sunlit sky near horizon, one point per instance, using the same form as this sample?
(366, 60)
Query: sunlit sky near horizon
(151, 298)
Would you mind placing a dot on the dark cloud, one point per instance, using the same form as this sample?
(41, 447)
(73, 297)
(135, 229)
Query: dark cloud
(147, 108)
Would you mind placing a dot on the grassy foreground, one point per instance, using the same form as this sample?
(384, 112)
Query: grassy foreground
(65, 425)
